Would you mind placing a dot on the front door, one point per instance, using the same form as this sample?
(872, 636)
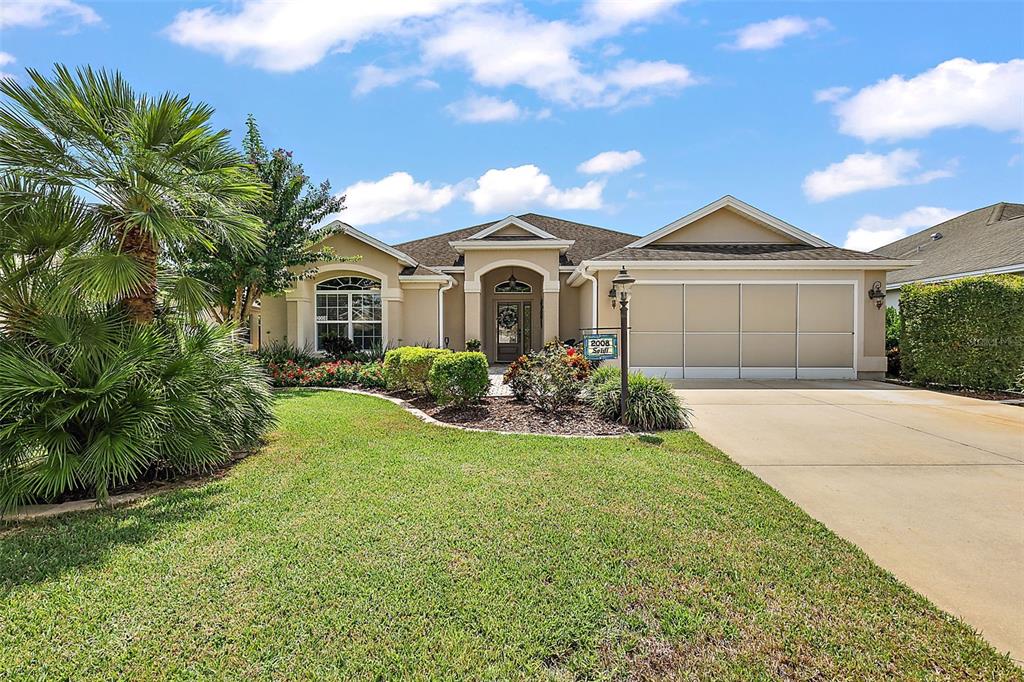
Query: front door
(509, 318)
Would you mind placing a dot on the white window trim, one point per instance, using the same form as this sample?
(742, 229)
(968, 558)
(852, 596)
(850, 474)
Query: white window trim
(528, 290)
(350, 321)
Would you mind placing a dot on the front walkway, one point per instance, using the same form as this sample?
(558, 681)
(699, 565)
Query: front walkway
(930, 485)
(497, 373)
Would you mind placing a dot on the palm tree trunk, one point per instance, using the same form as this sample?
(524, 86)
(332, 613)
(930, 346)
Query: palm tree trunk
(141, 304)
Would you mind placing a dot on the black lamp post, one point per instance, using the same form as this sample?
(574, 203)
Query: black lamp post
(620, 293)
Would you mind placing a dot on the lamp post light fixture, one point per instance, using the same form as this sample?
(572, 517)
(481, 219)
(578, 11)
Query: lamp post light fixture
(620, 293)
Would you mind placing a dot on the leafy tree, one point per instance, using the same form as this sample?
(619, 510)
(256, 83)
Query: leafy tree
(158, 179)
(291, 214)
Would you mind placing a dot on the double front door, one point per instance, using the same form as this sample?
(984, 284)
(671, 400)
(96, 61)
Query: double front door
(514, 329)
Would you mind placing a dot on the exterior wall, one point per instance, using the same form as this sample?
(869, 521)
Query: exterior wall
(419, 316)
(273, 317)
(569, 310)
(455, 313)
(725, 227)
(871, 363)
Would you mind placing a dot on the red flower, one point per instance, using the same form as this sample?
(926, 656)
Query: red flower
(571, 352)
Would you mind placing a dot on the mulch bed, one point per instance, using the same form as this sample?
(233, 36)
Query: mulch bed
(500, 413)
(980, 394)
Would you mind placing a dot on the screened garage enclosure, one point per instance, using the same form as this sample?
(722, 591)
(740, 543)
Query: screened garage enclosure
(748, 330)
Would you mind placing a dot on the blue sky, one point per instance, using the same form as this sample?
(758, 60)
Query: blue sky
(856, 121)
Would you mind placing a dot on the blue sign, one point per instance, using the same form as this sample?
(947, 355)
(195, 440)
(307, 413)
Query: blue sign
(600, 346)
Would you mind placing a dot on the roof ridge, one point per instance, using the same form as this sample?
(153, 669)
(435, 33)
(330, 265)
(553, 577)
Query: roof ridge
(575, 222)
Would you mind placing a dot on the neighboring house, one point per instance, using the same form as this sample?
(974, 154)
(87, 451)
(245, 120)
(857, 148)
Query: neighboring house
(727, 291)
(986, 241)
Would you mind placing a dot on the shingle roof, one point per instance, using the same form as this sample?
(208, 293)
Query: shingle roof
(686, 252)
(982, 239)
(590, 241)
(418, 271)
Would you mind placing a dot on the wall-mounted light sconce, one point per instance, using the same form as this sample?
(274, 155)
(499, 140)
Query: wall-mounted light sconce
(877, 295)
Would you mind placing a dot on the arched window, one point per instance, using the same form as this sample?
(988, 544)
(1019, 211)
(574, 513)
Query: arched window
(512, 286)
(349, 307)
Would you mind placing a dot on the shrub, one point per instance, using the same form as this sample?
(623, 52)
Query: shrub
(393, 368)
(371, 375)
(279, 352)
(652, 405)
(91, 401)
(459, 378)
(330, 374)
(892, 328)
(516, 377)
(604, 374)
(338, 347)
(416, 364)
(552, 378)
(473, 345)
(968, 332)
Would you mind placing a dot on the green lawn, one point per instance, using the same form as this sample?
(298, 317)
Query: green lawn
(363, 543)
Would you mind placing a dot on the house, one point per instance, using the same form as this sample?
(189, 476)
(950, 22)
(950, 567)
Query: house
(986, 241)
(727, 291)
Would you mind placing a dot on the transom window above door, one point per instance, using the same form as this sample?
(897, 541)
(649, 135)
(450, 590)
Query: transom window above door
(349, 307)
(512, 286)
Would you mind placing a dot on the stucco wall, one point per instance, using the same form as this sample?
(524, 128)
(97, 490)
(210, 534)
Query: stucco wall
(273, 318)
(724, 227)
(419, 310)
(455, 314)
(568, 311)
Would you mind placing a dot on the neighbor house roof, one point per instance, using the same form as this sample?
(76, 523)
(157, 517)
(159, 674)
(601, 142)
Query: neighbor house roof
(983, 240)
(589, 241)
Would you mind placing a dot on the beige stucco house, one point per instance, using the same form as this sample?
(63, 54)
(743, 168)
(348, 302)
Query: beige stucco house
(727, 291)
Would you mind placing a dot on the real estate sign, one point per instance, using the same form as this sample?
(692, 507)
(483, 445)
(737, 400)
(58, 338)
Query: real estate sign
(600, 346)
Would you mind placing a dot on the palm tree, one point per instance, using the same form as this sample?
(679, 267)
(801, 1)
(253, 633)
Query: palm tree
(152, 171)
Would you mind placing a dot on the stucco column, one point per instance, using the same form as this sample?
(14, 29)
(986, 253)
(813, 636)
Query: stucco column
(474, 330)
(550, 310)
(303, 321)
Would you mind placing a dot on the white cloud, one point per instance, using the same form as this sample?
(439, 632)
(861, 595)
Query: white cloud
(39, 13)
(290, 36)
(872, 231)
(5, 59)
(478, 109)
(611, 162)
(484, 110)
(503, 48)
(397, 196)
(427, 84)
(526, 186)
(859, 172)
(956, 93)
(618, 13)
(766, 35)
(499, 45)
(833, 94)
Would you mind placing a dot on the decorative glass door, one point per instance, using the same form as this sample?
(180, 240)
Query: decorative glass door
(510, 331)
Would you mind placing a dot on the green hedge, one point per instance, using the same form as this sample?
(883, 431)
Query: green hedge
(459, 378)
(408, 367)
(968, 332)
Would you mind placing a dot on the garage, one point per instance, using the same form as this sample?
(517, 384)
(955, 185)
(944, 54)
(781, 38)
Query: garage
(749, 329)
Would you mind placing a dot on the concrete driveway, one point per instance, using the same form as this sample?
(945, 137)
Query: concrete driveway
(931, 486)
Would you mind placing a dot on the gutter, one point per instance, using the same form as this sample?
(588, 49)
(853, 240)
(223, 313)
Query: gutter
(440, 310)
(593, 280)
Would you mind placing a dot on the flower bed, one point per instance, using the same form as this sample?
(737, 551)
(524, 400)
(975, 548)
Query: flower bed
(556, 390)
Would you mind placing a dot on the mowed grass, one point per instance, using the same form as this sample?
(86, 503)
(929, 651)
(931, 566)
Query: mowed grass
(363, 543)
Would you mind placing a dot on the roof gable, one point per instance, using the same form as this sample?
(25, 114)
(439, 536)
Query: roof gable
(740, 223)
(339, 227)
(511, 227)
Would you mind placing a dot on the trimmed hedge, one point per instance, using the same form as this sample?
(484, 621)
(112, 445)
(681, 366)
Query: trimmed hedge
(408, 367)
(968, 332)
(459, 378)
